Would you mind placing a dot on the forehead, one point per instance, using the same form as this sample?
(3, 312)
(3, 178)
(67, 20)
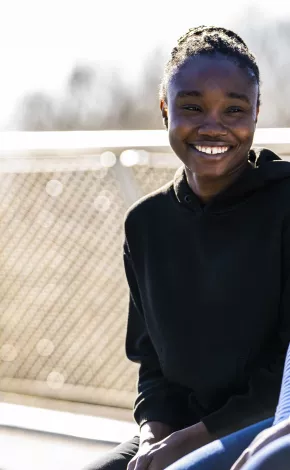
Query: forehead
(207, 73)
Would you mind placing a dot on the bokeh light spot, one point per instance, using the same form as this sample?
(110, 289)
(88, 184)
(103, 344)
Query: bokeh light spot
(55, 380)
(108, 159)
(45, 347)
(103, 201)
(54, 188)
(129, 157)
(144, 157)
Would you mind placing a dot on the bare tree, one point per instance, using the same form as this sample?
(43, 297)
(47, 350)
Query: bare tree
(269, 40)
(35, 113)
(98, 97)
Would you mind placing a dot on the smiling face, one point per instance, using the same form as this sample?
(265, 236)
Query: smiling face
(212, 112)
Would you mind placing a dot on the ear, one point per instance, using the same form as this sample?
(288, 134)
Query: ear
(164, 112)
(257, 112)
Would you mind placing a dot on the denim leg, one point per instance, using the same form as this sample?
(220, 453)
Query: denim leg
(275, 455)
(222, 453)
(117, 458)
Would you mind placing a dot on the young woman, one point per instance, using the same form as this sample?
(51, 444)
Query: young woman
(207, 259)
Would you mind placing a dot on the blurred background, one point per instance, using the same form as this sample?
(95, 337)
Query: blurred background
(95, 65)
(87, 68)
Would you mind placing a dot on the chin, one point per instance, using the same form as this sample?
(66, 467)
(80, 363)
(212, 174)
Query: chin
(210, 171)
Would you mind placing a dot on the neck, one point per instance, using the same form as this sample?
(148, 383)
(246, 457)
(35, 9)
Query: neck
(206, 188)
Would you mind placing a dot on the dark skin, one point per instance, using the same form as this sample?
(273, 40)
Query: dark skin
(216, 117)
(160, 446)
(211, 116)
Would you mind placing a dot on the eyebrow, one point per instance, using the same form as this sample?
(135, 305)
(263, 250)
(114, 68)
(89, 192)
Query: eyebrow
(182, 94)
(231, 94)
(239, 96)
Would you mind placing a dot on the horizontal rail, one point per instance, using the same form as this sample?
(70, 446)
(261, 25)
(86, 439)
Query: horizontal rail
(30, 152)
(72, 140)
(66, 424)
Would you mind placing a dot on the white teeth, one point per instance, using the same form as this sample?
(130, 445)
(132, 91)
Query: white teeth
(212, 150)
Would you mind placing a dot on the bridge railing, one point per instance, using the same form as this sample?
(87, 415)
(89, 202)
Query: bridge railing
(63, 293)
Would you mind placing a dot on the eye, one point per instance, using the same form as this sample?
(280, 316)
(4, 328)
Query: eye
(191, 107)
(234, 110)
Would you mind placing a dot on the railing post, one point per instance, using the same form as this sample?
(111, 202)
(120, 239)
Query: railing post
(129, 187)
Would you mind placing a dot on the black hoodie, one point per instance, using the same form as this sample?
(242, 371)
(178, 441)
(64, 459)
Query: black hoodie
(209, 310)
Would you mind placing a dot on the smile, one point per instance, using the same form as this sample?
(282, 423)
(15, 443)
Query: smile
(211, 150)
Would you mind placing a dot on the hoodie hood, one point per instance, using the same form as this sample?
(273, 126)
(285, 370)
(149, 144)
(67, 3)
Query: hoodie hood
(266, 169)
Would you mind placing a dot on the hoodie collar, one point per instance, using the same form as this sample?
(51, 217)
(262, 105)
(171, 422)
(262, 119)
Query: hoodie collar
(265, 168)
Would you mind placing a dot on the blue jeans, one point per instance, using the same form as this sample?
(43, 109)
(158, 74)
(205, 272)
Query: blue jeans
(222, 453)
(275, 455)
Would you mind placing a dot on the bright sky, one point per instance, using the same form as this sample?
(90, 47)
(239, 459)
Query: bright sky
(40, 41)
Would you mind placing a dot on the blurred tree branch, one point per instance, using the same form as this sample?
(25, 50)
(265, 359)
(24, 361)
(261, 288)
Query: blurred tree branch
(98, 97)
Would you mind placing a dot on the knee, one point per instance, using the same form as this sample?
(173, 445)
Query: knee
(274, 456)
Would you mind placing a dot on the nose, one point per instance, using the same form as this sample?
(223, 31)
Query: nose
(212, 127)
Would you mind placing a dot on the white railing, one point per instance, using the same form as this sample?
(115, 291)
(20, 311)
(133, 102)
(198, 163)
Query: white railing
(72, 140)
(60, 151)
(83, 150)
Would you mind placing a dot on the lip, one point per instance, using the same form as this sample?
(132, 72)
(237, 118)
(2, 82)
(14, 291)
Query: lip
(211, 144)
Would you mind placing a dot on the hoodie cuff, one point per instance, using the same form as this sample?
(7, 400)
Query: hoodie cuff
(163, 412)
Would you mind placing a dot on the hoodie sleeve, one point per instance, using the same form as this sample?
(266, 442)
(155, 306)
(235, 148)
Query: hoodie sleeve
(158, 399)
(261, 398)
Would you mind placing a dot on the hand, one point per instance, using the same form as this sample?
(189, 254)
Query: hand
(262, 439)
(154, 431)
(161, 454)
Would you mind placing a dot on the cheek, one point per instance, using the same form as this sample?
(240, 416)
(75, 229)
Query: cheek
(179, 125)
(244, 130)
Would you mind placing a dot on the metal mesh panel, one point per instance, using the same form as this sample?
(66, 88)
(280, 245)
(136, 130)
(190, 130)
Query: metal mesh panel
(150, 178)
(63, 291)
